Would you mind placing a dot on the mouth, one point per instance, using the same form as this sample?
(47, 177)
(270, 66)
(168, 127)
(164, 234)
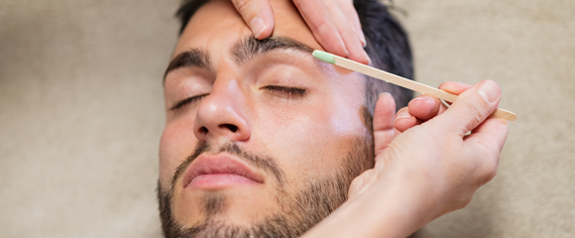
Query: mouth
(212, 172)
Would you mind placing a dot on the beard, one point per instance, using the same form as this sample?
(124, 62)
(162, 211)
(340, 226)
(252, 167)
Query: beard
(298, 212)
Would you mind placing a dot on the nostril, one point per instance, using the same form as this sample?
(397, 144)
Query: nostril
(230, 127)
(203, 130)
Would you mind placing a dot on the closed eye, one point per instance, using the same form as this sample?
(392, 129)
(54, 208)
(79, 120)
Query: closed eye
(193, 99)
(289, 91)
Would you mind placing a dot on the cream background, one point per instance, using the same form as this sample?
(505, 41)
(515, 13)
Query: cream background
(81, 112)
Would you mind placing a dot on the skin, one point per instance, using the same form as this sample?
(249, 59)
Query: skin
(430, 169)
(334, 24)
(424, 107)
(306, 135)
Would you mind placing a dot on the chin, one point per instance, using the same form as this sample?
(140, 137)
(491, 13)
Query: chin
(239, 205)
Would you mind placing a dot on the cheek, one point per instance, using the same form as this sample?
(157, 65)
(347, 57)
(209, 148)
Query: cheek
(309, 142)
(347, 118)
(176, 144)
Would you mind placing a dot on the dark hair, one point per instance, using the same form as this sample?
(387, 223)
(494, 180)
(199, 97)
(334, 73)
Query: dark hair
(389, 49)
(387, 46)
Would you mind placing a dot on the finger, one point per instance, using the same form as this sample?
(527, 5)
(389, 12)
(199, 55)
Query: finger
(489, 135)
(348, 34)
(383, 117)
(471, 108)
(487, 140)
(425, 107)
(454, 87)
(350, 13)
(258, 15)
(317, 18)
(404, 120)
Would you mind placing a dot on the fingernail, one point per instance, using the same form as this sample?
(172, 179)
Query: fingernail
(362, 39)
(489, 91)
(258, 26)
(346, 52)
(401, 115)
(384, 93)
(367, 57)
(417, 99)
(423, 99)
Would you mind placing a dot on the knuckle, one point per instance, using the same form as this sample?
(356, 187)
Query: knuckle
(319, 25)
(298, 3)
(490, 161)
(464, 199)
(464, 202)
(347, 31)
(403, 112)
(242, 5)
(491, 174)
(490, 170)
(460, 201)
(486, 169)
(474, 113)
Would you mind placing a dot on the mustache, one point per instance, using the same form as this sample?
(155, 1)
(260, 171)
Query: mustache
(265, 163)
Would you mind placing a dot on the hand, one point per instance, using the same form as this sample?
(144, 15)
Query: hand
(430, 169)
(334, 24)
(425, 107)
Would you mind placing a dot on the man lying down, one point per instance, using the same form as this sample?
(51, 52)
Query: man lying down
(263, 140)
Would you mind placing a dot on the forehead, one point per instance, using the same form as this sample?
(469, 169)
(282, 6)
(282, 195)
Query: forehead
(217, 26)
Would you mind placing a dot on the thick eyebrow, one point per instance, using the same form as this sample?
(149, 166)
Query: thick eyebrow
(191, 58)
(250, 47)
(242, 51)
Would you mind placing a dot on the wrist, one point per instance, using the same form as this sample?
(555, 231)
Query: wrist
(385, 210)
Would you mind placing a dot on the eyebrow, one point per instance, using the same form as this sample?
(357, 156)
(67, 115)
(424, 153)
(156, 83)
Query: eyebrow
(241, 52)
(250, 47)
(191, 58)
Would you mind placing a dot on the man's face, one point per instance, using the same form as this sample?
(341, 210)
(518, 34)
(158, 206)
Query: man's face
(259, 134)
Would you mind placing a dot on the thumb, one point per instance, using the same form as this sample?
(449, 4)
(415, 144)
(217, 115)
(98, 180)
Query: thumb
(472, 107)
(258, 15)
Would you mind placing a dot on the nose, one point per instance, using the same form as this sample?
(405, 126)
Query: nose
(222, 114)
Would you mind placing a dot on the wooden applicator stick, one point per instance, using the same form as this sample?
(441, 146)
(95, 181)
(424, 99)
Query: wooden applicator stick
(400, 81)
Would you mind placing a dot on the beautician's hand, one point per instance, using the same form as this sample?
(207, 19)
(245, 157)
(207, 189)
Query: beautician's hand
(387, 125)
(430, 169)
(425, 107)
(334, 24)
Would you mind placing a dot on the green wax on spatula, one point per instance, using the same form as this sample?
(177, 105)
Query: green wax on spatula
(324, 56)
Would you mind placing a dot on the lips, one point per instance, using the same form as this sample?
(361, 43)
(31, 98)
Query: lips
(219, 171)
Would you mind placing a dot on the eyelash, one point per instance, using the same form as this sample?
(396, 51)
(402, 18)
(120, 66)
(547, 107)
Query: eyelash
(291, 92)
(187, 100)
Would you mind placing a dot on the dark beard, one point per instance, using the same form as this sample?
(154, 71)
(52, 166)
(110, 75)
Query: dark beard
(298, 213)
